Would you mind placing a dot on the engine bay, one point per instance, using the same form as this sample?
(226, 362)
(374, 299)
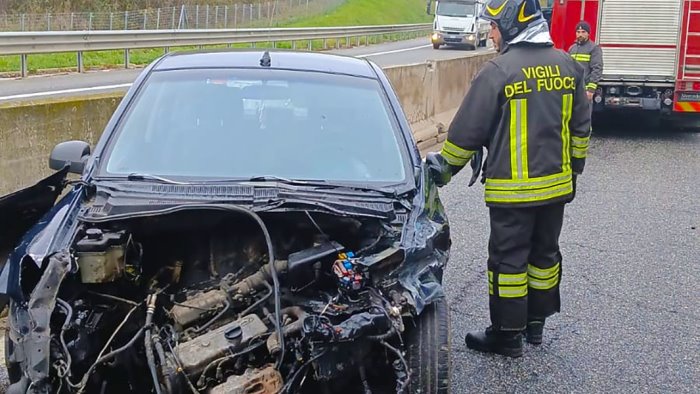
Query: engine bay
(206, 302)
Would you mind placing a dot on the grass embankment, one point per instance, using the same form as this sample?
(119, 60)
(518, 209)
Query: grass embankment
(350, 13)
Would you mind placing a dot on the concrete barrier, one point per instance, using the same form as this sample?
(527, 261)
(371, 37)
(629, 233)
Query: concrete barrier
(29, 130)
(429, 92)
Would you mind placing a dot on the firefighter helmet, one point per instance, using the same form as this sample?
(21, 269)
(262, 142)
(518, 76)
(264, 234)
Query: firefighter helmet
(513, 16)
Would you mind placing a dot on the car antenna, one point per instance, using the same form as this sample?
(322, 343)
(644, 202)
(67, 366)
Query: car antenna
(265, 61)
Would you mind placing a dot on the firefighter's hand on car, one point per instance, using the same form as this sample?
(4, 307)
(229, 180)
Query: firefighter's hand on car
(439, 170)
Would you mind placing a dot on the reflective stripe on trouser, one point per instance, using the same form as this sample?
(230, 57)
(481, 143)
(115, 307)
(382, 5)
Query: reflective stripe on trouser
(524, 267)
(543, 287)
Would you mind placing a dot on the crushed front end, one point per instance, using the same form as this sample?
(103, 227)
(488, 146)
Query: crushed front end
(225, 301)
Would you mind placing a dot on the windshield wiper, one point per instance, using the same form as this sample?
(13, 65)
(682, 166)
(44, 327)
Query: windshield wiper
(322, 184)
(148, 177)
(270, 178)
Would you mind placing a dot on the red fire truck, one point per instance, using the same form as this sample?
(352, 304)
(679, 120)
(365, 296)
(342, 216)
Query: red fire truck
(651, 51)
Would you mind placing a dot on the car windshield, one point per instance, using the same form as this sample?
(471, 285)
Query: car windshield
(242, 123)
(455, 9)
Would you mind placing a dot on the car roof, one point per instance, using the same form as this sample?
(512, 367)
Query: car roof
(280, 59)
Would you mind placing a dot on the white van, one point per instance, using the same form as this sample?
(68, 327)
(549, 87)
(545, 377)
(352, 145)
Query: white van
(457, 23)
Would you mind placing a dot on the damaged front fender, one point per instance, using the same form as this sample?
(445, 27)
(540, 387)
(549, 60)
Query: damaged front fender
(22, 209)
(53, 232)
(422, 253)
(29, 328)
(426, 242)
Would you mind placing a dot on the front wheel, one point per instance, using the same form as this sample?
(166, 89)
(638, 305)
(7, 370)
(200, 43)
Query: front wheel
(428, 350)
(14, 370)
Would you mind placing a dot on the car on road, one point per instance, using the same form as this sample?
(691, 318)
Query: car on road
(249, 221)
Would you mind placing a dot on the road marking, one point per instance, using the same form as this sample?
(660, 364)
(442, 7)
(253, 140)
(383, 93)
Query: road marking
(126, 85)
(65, 91)
(394, 51)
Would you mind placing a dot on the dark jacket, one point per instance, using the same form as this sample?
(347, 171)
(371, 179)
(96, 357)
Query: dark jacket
(590, 56)
(529, 108)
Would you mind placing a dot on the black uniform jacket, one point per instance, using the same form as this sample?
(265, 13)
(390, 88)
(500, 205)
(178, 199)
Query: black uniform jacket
(528, 107)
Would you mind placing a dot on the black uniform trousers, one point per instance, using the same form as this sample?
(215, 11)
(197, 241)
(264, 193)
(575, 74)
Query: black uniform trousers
(524, 266)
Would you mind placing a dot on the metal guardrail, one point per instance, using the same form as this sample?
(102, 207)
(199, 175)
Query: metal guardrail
(28, 43)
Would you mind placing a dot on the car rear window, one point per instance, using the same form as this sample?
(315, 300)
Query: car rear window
(241, 123)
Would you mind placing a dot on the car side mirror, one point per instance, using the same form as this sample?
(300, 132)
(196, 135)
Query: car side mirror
(70, 153)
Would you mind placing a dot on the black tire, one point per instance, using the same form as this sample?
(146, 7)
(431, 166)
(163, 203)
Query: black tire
(428, 351)
(436, 46)
(14, 370)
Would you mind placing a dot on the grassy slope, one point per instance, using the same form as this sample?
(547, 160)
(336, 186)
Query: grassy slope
(351, 13)
(370, 12)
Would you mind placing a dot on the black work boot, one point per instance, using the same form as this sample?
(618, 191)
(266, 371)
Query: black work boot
(533, 332)
(506, 343)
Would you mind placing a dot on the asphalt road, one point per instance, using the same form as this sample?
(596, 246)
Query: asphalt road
(388, 54)
(630, 319)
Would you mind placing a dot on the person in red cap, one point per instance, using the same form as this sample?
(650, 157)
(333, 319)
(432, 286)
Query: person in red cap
(589, 55)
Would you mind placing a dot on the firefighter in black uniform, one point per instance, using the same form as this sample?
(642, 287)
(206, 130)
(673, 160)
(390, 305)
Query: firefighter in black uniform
(528, 108)
(589, 55)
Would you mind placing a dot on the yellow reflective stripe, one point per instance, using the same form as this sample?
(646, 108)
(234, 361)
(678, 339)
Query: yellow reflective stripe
(518, 139)
(591, 85)
(518, 182)
(521, 15)
(579, 153)
(510, 285)
(543, 278)
(543, 273)
(580, 142)
(498, 196)
(513, 142)
(512, 291)
(543, 284)
(512, 279)
(532, 183)
(580, 147)
(457, 151)
(496, 11)
(455, 155)
(566, 109)
(581, 57)
(452, 160)
(523, 138)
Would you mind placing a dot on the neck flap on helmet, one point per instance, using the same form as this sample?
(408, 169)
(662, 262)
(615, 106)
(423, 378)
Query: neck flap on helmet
(536, 34)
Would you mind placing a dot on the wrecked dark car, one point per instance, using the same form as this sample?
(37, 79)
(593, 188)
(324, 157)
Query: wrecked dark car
(249, 222)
